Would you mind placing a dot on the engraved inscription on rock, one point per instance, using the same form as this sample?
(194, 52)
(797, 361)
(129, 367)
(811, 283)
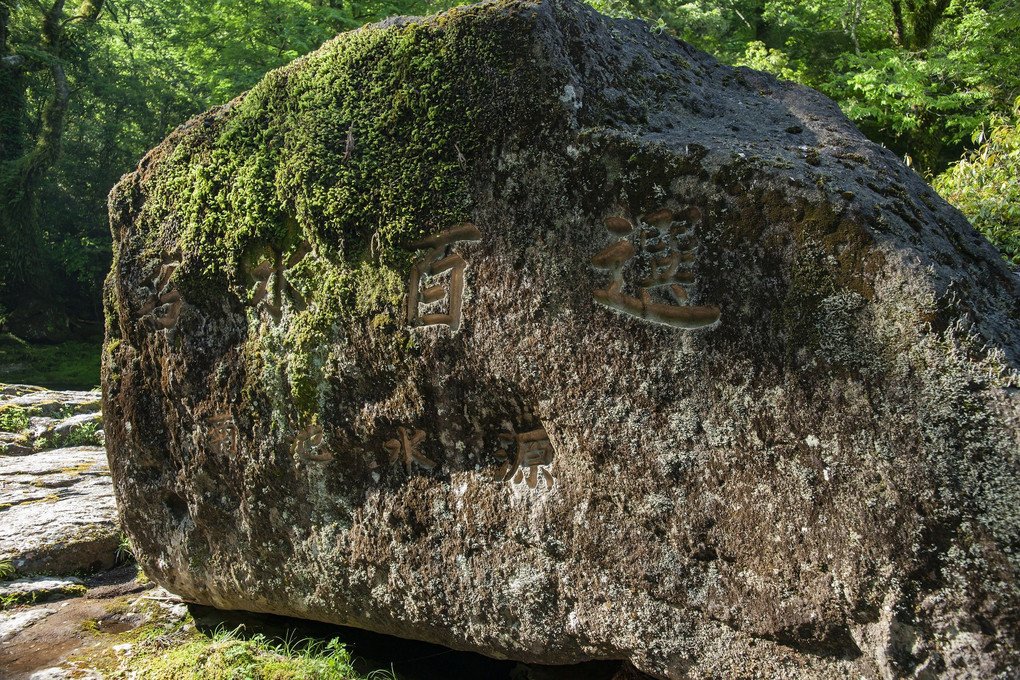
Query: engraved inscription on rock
(405, 449)
(221, 434)
(272, 283)
(438, 277)
(307, 444)
(650, 261)
(162, 307)
(527, 457)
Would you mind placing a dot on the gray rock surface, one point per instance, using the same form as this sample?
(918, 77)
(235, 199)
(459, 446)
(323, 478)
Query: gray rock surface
(539, 334)
(34, 587)
(12, 623)
(57, 506)
(51, 403)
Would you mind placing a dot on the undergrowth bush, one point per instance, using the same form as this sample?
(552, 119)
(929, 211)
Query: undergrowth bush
(86, 434)
(985, 184)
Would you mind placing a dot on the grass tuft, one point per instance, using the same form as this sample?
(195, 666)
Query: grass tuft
(228, 656)
(13, 419)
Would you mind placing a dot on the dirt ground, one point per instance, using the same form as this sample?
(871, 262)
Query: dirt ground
(80, 625)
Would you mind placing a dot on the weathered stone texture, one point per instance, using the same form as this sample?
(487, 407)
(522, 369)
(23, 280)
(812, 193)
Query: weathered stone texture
(57, 509)
(535, 333)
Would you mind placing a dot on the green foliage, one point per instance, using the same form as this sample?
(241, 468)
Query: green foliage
(13, 419)
(918, 104)
(985, 184)
(125, 553)
(7, 570)
(86, 434)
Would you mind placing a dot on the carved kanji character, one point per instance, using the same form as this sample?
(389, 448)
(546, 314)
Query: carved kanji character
(162, 309)
(222, 435)
(662, 248)
(272, 282)
(306, 443)
(405, 448)
(533, 458)
(437, 262)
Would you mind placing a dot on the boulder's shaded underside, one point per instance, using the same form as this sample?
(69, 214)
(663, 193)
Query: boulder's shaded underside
(535, 333)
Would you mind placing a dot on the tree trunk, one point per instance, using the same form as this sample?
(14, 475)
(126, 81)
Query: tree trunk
(22, 172)
(900, 36)
(12, 104)
(926, 18)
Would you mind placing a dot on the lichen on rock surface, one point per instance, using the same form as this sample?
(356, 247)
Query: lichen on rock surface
(536, 333)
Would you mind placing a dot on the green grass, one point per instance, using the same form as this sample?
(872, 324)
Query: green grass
(227, 656)
(70, 365)
(170, 647)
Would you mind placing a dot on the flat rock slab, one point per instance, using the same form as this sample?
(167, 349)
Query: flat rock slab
(15, 444)
(52, 403)
(12, 623)
(66, 636)
(56, 418)
(13, 390)
(36, 587)
(58, 511)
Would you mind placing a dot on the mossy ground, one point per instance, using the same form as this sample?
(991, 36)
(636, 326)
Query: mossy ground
(69, 366)
(153, 637)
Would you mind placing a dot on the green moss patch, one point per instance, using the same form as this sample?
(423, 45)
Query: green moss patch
(361, 148)
(305, 196)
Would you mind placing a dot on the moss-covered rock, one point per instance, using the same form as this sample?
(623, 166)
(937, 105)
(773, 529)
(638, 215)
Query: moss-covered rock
(532, 332)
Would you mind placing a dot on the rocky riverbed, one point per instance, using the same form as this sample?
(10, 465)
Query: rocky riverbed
(60, 539)
(59, 514)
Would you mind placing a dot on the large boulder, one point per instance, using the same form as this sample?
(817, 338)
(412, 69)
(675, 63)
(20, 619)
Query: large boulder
(531, 332)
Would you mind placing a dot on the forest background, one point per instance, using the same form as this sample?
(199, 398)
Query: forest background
(87, 89)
